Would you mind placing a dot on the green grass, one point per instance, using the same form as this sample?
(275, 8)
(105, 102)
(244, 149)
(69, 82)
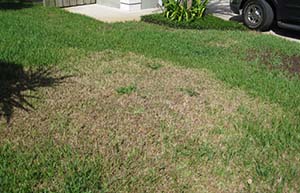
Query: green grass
(126, 90)
(37, 36)
(48, 168)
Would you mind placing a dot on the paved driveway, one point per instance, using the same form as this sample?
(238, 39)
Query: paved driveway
(221, 9)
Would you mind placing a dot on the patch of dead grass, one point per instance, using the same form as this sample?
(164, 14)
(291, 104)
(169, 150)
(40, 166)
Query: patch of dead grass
(277, 61)
(156, 139)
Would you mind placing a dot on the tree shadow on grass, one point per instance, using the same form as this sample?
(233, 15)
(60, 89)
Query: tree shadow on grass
(15, 81)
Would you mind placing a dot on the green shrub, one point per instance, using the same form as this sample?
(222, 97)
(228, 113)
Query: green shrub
(180, 10)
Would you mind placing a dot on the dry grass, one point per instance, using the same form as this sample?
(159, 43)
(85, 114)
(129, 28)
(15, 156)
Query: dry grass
(158, 138)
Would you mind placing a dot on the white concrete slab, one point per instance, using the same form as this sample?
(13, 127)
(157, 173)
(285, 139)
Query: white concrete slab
(109, 14)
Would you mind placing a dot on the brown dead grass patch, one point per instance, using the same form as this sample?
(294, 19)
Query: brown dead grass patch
(277, 61)
(148, 139)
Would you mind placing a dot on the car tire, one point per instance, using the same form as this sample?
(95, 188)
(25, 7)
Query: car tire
(258, 15)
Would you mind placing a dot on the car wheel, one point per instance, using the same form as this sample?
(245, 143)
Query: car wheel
(258, 15)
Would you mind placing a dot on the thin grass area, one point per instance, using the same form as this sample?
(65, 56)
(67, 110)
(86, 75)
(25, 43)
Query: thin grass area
(156, 139)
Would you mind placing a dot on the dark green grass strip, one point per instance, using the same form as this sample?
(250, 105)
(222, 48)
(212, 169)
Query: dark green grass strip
(207, 22)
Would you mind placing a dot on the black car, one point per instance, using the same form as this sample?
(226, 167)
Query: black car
(261, 14)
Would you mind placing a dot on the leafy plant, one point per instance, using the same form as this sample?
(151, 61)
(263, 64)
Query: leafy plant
(184, 10)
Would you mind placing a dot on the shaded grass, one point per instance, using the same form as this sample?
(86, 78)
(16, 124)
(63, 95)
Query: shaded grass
(14, 5)
(15, 80)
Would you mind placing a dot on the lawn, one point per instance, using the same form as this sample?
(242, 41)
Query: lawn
(87, 106)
